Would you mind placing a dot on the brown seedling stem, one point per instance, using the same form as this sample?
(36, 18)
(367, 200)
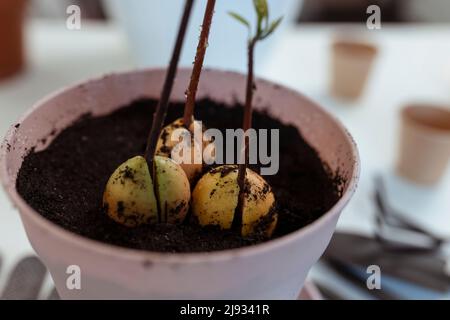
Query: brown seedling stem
(161, 111)
(191, 92)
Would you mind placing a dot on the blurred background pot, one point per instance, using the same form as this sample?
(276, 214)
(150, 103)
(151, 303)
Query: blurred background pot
(424, 143)
(272, 270)
(351, 65)
(12, 56)
(151, 29)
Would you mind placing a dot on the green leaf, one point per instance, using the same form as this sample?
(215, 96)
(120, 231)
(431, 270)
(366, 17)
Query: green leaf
(262, 9)
(262, 13)
(273, 26)
(263, 27)
(240, 18)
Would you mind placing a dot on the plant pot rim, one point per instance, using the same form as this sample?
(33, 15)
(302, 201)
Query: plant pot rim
(175, 258)
(411, 114)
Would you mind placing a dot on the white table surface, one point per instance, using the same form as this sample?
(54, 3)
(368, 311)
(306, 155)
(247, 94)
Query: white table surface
(413, 65)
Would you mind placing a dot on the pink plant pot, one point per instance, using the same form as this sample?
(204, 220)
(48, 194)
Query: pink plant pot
(272, 270)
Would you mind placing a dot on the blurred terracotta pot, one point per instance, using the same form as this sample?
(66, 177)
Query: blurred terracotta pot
(12, 56)
(424, 143)
(351, 66)
(272, 270)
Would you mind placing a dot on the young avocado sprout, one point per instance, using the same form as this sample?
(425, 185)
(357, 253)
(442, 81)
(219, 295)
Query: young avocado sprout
(194, 165)
(235, 197)
(149, 188)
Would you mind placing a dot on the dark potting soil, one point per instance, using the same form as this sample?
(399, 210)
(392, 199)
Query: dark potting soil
(65, 182)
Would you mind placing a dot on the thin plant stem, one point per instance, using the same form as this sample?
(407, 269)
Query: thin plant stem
(191, 93)
(161, 111)
(247, 124)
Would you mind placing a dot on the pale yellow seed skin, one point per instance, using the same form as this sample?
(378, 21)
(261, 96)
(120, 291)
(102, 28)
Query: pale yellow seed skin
(215, 199)
(166, 144)
(255, 209)
(174, 192)
(130, 198)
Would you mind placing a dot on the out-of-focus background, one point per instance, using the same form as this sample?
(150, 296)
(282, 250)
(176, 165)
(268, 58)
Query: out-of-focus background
(364, 74)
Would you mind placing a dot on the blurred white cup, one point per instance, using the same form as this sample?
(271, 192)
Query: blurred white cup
(151, 26)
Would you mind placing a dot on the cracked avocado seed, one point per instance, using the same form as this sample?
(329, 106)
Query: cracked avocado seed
(130, 198)
(192, 163)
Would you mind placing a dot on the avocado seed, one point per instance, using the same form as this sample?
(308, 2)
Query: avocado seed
(215, 198)
(130, 196)
(170, 138)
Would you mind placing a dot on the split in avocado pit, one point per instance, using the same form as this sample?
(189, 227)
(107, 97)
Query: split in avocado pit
(131, 197)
